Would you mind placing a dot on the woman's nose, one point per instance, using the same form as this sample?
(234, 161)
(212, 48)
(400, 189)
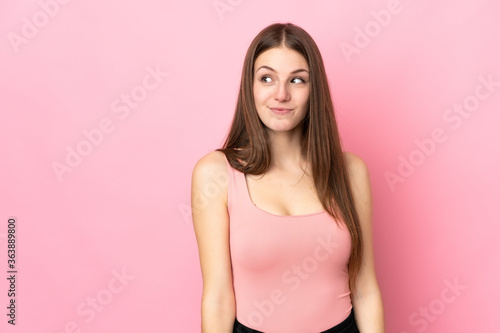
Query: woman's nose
(281, 93)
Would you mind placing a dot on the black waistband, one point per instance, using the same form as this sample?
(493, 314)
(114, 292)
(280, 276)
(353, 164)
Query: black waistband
(346, 326)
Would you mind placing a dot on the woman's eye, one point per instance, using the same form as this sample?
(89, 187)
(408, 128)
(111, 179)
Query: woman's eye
(266, 79)
(298, 80)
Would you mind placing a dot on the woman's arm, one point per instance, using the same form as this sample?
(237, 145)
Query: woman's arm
(211, 226)
(366, 299)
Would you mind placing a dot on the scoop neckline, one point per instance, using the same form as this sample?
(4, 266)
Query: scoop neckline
(272, 214)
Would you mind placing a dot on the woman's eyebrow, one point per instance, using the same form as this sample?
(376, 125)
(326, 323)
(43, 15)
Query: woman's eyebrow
(273, 70)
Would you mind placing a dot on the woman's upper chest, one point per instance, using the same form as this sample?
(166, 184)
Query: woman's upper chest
(280, 193)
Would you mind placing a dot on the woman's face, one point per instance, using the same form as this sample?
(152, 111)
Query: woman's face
(281, 88)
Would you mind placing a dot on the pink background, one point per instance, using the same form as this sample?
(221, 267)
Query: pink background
(396, 69)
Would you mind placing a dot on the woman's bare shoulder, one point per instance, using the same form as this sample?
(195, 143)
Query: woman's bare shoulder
(213, 162)
(209, 187)
(354, 163)
(358, 172)
(211, 172)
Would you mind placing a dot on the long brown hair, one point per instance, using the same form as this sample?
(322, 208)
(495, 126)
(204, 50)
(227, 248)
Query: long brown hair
(247, 139)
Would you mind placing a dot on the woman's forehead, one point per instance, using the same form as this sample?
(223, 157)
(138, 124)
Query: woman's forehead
(281, 59)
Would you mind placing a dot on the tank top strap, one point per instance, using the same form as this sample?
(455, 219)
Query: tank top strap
(229, 167)
(230, 184)
(237, 194)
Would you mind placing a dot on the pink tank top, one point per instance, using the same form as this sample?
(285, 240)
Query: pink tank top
(289, 272)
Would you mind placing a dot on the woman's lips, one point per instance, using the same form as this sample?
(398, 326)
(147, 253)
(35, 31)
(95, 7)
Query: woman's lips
(281, 111)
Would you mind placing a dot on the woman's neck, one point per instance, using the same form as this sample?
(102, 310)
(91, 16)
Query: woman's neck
(286, 149)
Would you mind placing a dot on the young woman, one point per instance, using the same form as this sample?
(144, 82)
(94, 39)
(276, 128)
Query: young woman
(281, 214)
